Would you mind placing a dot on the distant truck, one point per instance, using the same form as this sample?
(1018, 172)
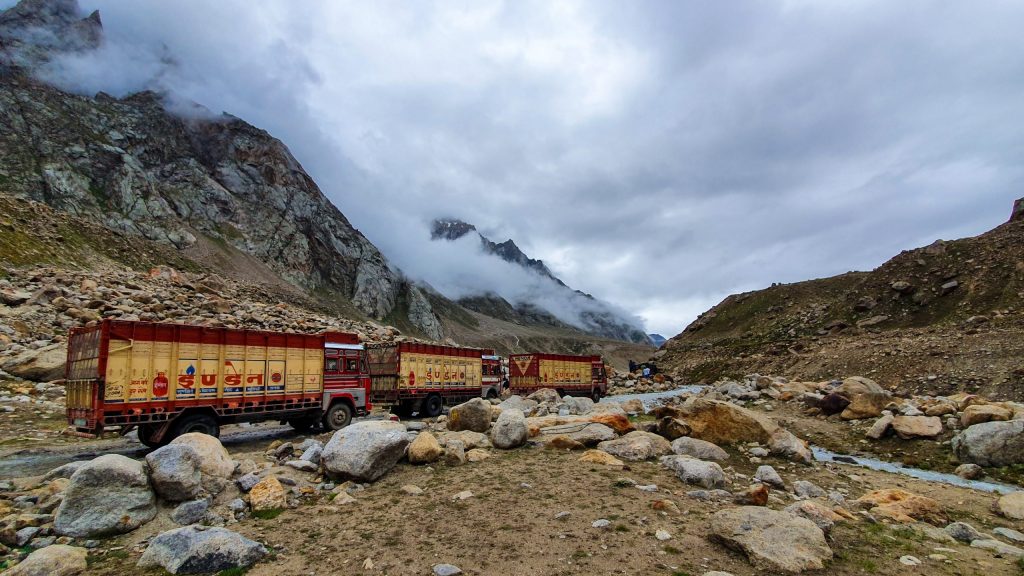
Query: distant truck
(169, 379)
(424, 378)
(568, 375)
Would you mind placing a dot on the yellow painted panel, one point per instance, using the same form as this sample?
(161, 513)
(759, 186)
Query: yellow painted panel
(296, 358)
(313, 381)
(276, 373)
(210, 383)
(118, 376)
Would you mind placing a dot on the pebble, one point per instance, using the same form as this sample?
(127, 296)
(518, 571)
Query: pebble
(562, 515)
(463, 495)
(412, 490)
(602, 523)
(662, 535)
(446, 570)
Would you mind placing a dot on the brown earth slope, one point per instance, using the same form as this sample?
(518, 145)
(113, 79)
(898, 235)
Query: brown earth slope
(938, 319)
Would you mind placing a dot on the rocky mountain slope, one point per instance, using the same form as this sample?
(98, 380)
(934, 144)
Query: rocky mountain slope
(135, 186)
(187, 182)
(594, 316)
(938, 319)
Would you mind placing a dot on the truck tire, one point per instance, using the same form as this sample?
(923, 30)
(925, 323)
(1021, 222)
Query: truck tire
(492, 394)
(202, 423)
(146, 432)
(338, 416)
(432, 406)
(595, 396)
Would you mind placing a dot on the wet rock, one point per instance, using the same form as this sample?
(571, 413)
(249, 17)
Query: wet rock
(907, 427)
(474, 415)
(901, 506)
(991, 444)
(214, 462)
(55, 560)
(108, 495)
(602, 458)
(771, 540)
(196, 550)
(700, 449)
(424, 449)
(693, 471)
(636, 446)
(175, 472)
(509, 430)
(365, 451)
(268, 494)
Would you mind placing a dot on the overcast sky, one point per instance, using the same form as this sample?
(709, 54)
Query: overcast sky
(659, 155)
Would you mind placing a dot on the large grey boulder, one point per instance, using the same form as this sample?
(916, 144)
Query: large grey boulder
(175, 473)
(474, 415)
(197, 550)
(578, 404)
(586, 433)
(991, 444)
(109, 495)
(40, 365)
(519, 403)
(686, 446)
(365, 451)
(214, 461)
(636, 446)
(509, 430)
(693, 471)
(773, 541)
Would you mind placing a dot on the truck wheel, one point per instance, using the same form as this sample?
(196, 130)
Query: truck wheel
(202, 423)
(492, 394)
(595, 396)
(432, 406)
(146, 432)
(338, 416)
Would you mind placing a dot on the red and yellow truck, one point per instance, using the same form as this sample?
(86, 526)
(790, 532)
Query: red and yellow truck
(568, 375)
(169, 379)
(424, 377)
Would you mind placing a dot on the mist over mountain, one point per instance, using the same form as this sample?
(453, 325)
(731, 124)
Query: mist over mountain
(539, 295)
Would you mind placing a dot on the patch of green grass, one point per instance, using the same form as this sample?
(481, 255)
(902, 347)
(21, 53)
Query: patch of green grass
(673, 550)
(110, 555)
(579, 554)
(236, 571)
(267, 514)
(621, 528)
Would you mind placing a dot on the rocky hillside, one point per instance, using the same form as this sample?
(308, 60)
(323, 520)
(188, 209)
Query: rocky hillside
(186, 182)
(938, 319)
(576, 309)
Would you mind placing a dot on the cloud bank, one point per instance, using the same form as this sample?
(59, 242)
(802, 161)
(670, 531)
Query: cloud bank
(659, 155)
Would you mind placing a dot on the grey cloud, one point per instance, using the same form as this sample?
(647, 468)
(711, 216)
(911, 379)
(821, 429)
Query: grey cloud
(659, 155)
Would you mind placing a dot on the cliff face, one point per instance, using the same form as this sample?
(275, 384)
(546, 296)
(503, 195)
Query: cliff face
(133, 166)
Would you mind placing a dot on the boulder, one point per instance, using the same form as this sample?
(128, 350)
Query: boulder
(785, 444)
(636, 446)
(807, 489)
(618, 422)
(1000, 548)
(584, 433)
(701, 449)
(693, 471)
(981, 413)
(908, 427)
(867, 398)
(673, 428)
(602, 458)
(902, 506)
(197, 550)
(477, 455)
(578, 404)
(769, 476)
(175, 472)
(55, 560)
(544, 395)
(509, 430)
(39, 365)
(823, 517)
(754, 495)
(519, 403)
(772, 541)
(268, 494)
(365, 451)
(1011, 505)
(454, 452)
(720, 422)
(64, 471)
(108, 495)
(632, 406)
(424, 449)
(190, 512)
(474, 415)
(940, 409)
(468, 438)
(991, 444)
(964, 532)
(880, 427)
(215, 463)
(833, 403)
(969, 471)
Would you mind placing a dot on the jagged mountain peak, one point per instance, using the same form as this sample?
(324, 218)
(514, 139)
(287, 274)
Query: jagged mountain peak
(34, 31)
(450, 229)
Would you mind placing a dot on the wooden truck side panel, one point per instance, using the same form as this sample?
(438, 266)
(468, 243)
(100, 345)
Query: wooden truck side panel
(573, 375)
(123, 373)
(409, 370)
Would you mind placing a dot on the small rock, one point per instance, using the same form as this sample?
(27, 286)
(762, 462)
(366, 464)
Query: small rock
(56, 560)
(769, 476)
(909, 561)
(662, 535)
(602, 523)
(196, 549)
(805, 489)
(446, 570)
(412, 490)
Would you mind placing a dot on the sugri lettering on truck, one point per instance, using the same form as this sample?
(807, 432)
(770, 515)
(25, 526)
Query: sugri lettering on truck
(170, 379)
